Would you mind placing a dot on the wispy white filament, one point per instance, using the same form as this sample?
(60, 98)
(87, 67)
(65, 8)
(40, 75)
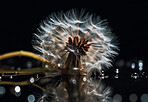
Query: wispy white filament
(57, 28)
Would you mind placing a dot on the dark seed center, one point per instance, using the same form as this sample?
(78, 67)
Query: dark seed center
(78, 47)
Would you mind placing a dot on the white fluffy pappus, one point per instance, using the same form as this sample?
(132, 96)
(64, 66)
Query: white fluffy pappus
(59, 29)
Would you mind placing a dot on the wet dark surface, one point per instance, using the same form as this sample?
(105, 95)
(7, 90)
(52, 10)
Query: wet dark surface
(121, 82)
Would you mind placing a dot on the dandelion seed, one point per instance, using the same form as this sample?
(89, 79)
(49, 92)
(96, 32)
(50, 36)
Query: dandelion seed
(76, 38)
(32, 80)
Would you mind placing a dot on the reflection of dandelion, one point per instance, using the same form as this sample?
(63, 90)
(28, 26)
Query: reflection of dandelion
(96, 92)
(75, 35)
(90, 92)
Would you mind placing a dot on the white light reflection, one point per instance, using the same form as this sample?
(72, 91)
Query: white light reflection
(133, 65)
(46, 66)
(140, 63)
(59, 64)
(117, 71)
(17, 89)
(73, 80)
(84, 79)
(116, 76)
(75, 68)
(32, 80)
(11, 77)
(37, 76)
(134, 75)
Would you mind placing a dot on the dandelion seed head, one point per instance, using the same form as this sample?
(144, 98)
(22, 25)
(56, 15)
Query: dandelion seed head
(79, 33)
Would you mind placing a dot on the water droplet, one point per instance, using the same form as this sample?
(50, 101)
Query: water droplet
(116, 76)
(37, 76)
(133, 65)
(75, 68)
(134, 75)
(102, 72)
(140, 68)
(84, 79)
(117, 71)
(11, 77)
(17, 89)
(32, 80)
(31, 98)
(102, 77)
(0, 78)
(140, 63)
(46, 66)
(73, 80)
(59, 64)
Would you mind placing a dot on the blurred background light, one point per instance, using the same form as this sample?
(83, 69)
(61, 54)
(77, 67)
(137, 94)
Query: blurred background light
(31, 98)
(17, 89)
(117, 98)
(144, 98)
(29, 64)
(17, 94)
(133, 98)
(2, 90)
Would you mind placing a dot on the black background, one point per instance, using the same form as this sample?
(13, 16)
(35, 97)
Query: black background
(128, 20)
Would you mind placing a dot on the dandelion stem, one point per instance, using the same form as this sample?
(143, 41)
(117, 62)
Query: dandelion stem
(23, 53)
(31, 71)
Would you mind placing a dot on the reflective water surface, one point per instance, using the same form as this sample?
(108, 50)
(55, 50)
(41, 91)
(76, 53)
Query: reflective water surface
(30, 83)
